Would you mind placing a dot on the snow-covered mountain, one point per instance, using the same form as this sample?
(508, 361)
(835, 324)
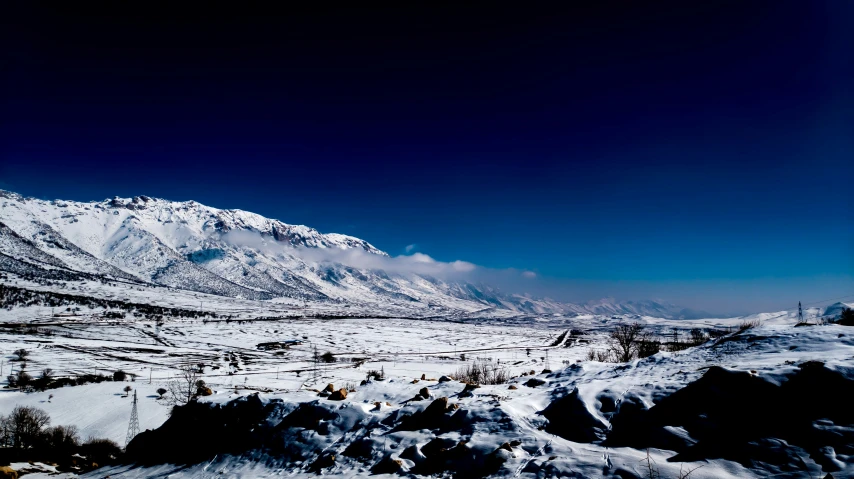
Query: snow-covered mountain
(238, 254)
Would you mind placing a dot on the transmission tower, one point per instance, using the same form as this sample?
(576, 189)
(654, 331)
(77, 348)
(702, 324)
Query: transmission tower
(315, 371)
(133, 427)
(800, 313)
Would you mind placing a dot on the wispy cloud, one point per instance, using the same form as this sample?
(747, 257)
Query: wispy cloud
(414, 263)
(410, 248)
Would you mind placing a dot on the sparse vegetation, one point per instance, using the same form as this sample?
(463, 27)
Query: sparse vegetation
(328, 357)
(481, 372)
(183, 386)
(748, 324)
(21, 354)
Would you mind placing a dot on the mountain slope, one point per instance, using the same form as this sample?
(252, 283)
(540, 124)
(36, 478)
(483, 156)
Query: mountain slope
(238, 254)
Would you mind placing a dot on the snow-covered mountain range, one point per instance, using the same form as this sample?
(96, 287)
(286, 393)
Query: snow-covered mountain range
(238, 254)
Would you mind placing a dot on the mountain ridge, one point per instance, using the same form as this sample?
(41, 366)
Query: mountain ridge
(240, 254)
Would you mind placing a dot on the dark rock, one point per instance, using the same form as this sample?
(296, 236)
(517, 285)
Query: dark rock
(338, 395)
(569, 418)
(534, 382)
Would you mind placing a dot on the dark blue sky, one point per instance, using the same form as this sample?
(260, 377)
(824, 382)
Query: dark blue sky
(677, 150)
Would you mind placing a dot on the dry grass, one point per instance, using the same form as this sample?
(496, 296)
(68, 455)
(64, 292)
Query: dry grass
(481, 372)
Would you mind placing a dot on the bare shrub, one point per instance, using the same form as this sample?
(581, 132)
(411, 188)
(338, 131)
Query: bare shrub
(21, 354)
(647, 345)
(748, 324)
(183, 386)
(698, 336)
(602, 356)
(328, 357)
(481, 372)
(379, 375)
(61, 438)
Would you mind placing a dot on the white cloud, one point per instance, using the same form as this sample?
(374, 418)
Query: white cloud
(415, 263)
(411, 247)
(529, 274)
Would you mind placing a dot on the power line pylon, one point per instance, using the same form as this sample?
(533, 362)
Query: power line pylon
(133, 427)
(800, 313)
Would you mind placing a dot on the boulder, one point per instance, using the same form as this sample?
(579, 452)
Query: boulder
(389, 465)
(444, 379)
(425, 393)
(205, 391)
(7, 472)
(534, 382)
(532, 373)
(338, 395)
(329, 388)
(423, 377)
(546, 371)
(513, 386)
(467, 391)
(414, 381)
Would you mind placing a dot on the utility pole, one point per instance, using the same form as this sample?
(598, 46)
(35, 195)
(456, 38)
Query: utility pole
(133, 426)
(800, 313)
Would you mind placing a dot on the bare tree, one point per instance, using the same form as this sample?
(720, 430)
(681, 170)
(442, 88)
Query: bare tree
(21, 353)
(25, 425)
(182, 387)
(623, 341)
(127, 390)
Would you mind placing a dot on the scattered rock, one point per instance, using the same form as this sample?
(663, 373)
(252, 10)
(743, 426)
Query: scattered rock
(414, 381)
(506, 447)
(444, 379)
(515, 443)
(513, 386)
(425, 393)
(338, 395)
(546, 371)
(467, 391)
(329, 388)
(532, 373)
(534, 382)
(423, 377)
(205, 391)
(364, 382)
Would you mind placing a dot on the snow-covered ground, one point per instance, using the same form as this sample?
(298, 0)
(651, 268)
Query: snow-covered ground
(405, 349)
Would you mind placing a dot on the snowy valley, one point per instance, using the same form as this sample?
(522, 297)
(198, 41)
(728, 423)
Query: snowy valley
(320, 354)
